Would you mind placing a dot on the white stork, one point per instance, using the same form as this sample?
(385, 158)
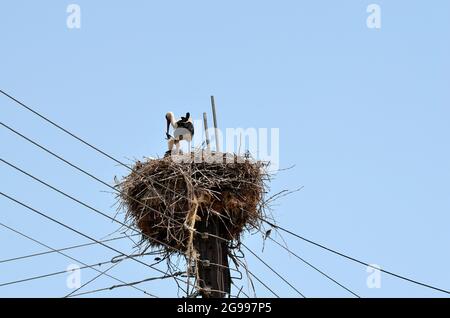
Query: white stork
(183, 130)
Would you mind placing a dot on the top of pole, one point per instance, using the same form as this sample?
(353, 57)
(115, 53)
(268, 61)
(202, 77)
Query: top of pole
(205, 123)
(216, 129)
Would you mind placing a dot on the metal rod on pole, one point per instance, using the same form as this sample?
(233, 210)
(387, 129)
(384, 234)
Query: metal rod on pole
(216, 129)
(205, 123)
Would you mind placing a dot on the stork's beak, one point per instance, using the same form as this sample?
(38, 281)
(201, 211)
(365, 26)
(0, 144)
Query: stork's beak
(168, 126)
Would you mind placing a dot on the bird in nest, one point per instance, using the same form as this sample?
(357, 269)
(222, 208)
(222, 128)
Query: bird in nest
(183, 130)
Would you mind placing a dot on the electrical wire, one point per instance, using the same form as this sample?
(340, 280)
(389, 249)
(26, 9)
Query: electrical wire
(80, 233)
(315, 268)
(123, 285)
(62, 249)
(273, 270)
(65, 255)
(357, 260)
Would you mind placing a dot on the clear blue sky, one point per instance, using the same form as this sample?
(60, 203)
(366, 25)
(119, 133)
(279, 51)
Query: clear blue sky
(363, 114)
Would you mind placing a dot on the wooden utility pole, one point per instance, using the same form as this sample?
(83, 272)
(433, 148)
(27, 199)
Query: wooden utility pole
(212, 265)
(213, 268)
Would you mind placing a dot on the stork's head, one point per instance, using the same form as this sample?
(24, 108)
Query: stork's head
(169, 119)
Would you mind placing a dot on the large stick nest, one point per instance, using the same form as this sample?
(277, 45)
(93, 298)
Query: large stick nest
(161, 196)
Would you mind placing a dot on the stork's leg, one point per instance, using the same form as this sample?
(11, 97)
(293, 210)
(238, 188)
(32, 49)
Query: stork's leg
(177, 147)
(170, 144)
